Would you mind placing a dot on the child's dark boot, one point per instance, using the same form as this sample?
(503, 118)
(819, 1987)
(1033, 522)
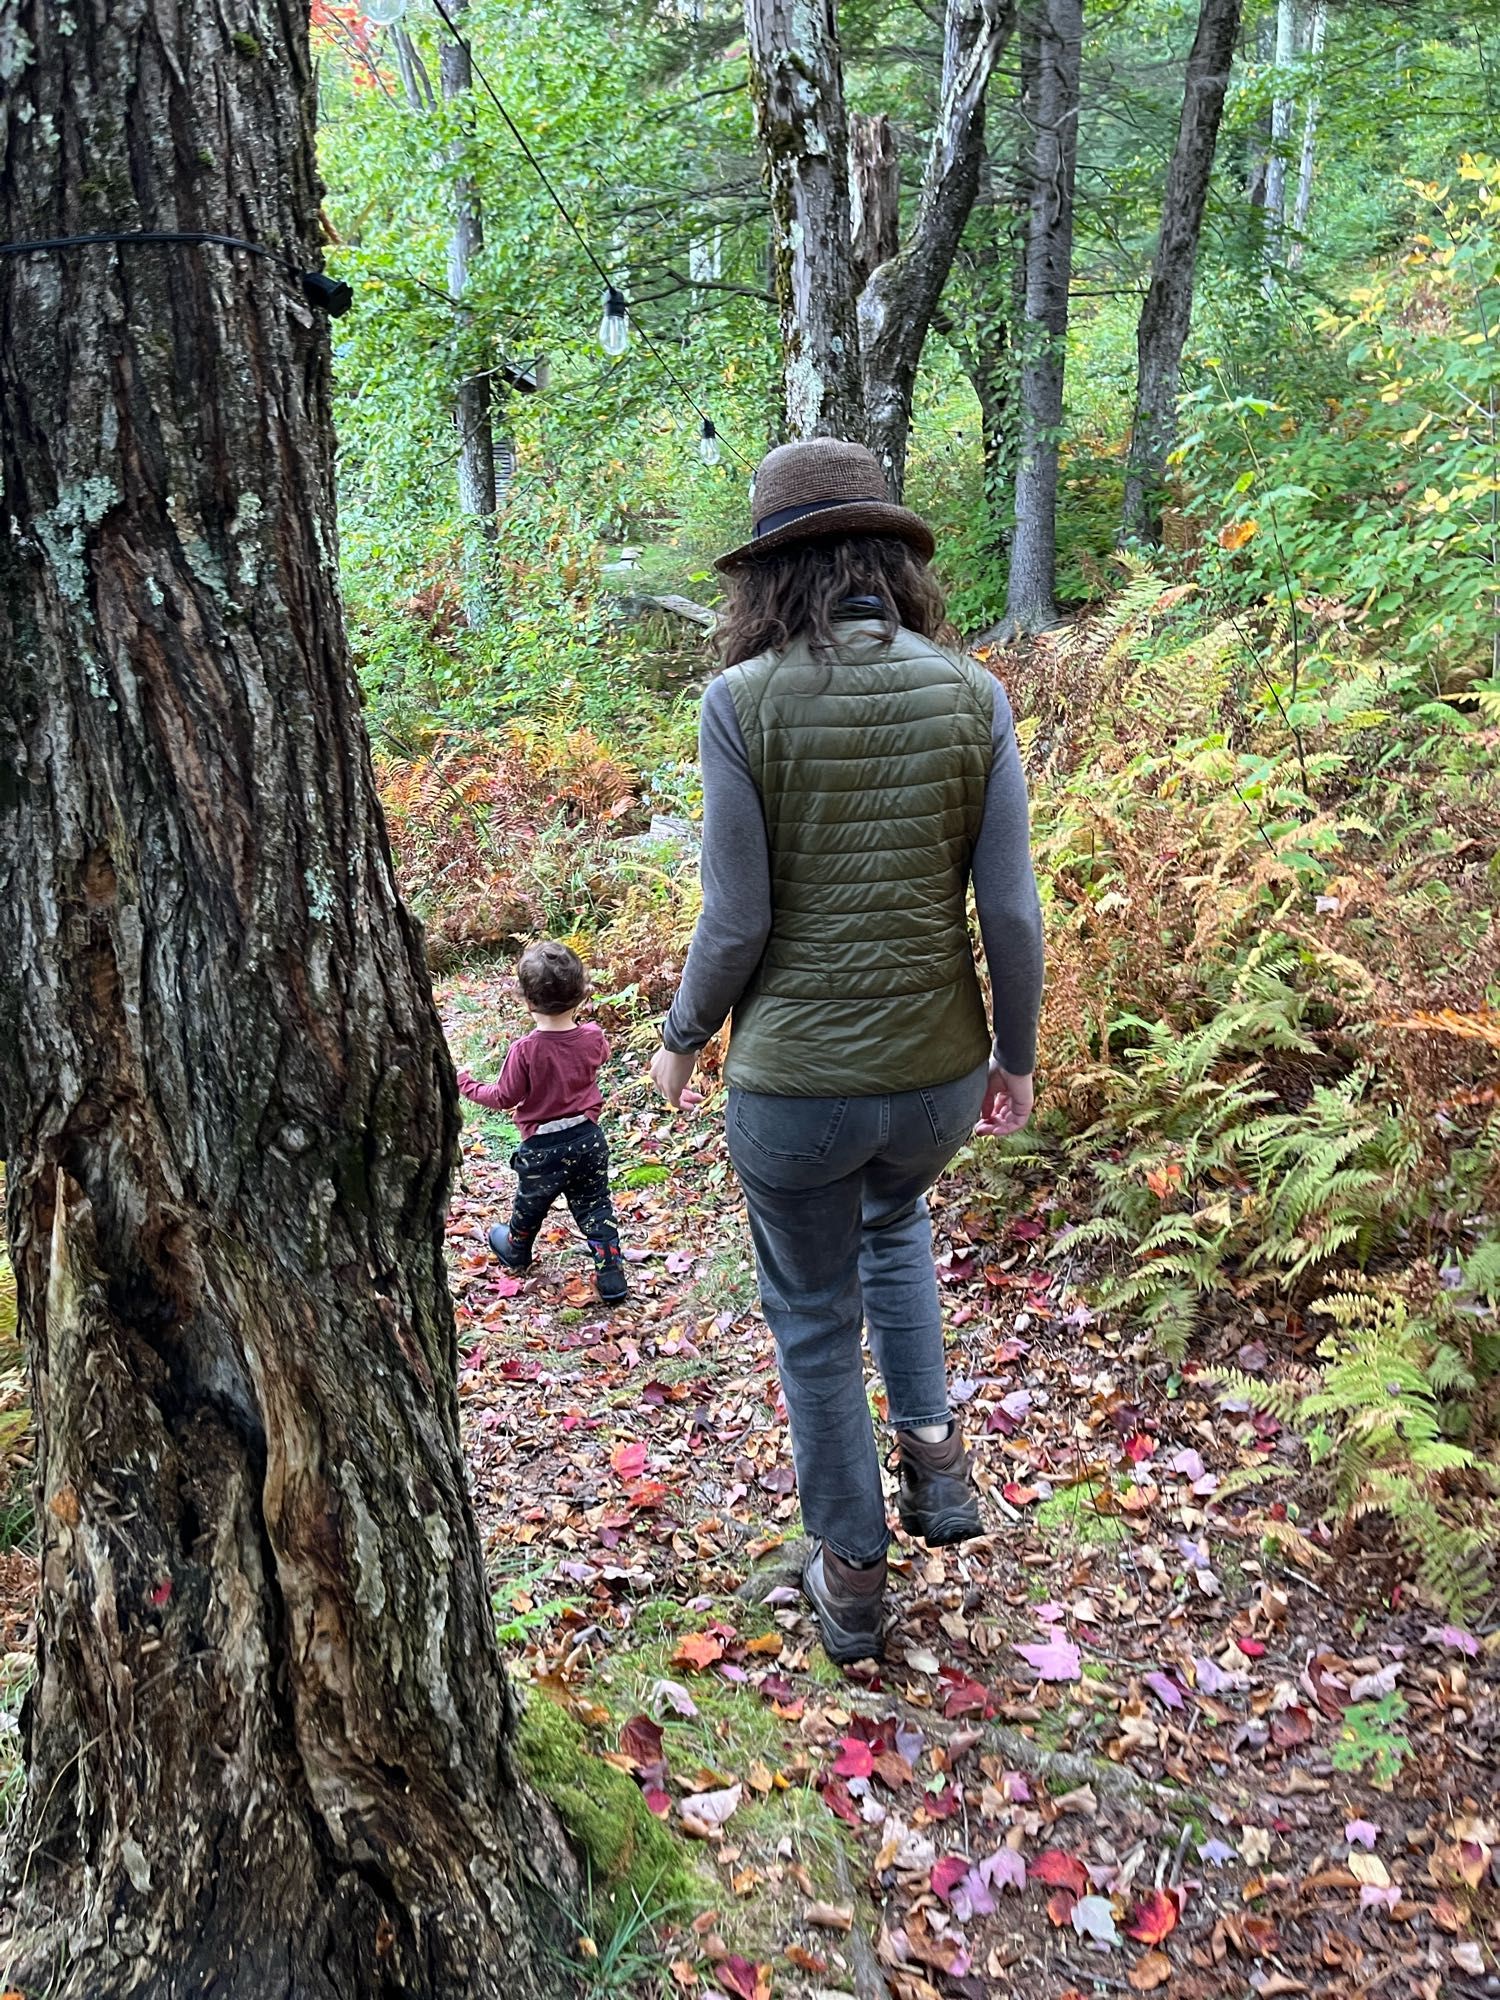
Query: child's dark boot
(513, 1251)
(609, 1270)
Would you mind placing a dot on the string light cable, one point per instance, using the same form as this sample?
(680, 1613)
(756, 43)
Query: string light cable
(614, 302)
(330, 295)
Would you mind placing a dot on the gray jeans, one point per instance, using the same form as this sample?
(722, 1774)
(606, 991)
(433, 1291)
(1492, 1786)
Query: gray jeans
(835, 1187)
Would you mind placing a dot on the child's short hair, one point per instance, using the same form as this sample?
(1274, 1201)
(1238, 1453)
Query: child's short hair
(552, 978)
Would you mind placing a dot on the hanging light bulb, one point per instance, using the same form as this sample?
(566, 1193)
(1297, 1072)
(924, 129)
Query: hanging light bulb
(384, 13)
(708, 443)
(614, 328)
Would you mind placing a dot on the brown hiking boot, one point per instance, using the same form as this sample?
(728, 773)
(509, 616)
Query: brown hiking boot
(937, 1501)
(849, 1604)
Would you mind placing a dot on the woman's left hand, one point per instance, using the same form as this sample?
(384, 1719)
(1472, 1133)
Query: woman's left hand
(672, 1074)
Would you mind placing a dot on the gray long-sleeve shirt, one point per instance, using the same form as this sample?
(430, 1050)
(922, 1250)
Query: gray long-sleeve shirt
(736, 869)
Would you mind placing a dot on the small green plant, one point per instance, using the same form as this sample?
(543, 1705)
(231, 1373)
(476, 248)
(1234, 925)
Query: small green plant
(1371, 1742)
(615, 1950)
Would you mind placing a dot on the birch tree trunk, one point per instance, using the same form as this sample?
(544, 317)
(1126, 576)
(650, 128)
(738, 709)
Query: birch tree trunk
(1056, 30)
(269, 1739)
(1165, 317)
(1316, 30)
(797, 82)
(1281, 139)
(472, 411)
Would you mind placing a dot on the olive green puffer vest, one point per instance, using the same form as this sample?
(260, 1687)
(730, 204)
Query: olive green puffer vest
(872, 768)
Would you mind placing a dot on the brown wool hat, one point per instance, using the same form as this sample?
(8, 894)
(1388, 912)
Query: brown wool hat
(819, 487)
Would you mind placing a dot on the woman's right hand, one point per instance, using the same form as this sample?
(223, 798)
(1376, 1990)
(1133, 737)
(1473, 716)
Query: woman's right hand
(1007, 1102)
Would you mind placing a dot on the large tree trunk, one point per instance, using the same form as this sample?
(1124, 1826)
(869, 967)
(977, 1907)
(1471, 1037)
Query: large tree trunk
(1056, 30)
(472, 414)
(268, 1743)
(897, 305)
(797, 80)
(1168, 310)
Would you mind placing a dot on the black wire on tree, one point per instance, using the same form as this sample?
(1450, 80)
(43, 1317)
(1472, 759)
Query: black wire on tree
(330, 295)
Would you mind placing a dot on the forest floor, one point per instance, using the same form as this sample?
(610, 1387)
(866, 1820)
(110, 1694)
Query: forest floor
(1138, 1739)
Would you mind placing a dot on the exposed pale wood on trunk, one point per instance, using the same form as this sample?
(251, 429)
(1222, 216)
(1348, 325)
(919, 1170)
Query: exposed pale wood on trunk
(1055, 29)
(1167, 312)
(796, 79)
(269, 1740)
(874, 193)
(897, 305)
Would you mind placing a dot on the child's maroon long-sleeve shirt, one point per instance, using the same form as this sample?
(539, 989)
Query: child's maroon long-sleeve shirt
(550, 1073)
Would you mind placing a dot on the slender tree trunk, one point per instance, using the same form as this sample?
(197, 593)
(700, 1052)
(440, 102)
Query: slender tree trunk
(1281, 139)
(797, 81)
(1167, 312)
(1316, 29)
(897, 305)
(268, 1743)
(1052, 113)
(472, 412)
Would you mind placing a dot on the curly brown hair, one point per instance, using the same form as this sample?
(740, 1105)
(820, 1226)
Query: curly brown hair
(552, 978)
(794, 594)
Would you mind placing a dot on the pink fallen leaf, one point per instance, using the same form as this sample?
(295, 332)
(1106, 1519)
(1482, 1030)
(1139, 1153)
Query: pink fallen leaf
(1377, 1896)
(505, 1286)
(671, 1694)
(1362, 1833)
(679, 1262)
(1166, 1690)
(1187, 1462)
(1004, 1869)
(628, 1460)
(1058, 1660)
(1453, 1637)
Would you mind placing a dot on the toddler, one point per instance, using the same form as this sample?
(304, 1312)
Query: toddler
(550, 1079)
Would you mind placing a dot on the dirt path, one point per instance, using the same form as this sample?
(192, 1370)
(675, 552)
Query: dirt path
(1143, 1738)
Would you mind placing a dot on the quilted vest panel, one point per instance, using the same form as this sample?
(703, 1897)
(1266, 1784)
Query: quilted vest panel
(872, 766)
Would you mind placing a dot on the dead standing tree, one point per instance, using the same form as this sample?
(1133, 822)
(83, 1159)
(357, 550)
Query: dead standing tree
(269, 1739)
(851, 344)
(1163, 329)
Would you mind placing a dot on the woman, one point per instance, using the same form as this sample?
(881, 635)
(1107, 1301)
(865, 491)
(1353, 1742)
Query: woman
(856, 777)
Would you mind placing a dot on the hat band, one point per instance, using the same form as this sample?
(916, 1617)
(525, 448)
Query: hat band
(785, 516)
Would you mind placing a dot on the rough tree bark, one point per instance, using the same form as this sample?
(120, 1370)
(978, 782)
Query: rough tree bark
(478, 497)
(846, 369)
(1055, 28)
(897, 305)
(797, 81)
(268, 1743)
(1163, 328)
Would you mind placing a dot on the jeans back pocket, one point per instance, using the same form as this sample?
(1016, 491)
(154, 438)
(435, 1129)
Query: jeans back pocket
(787, 1128)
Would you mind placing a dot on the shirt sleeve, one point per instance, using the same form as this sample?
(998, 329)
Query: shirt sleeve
(487, 1094)
(1005, 898)
(735, 866)
(602, 1043)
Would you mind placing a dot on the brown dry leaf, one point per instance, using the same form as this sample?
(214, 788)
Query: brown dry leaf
(1280, 1982)
(1154, 1970)
(829, 1916)
(804, 1960)
(1446, 1914)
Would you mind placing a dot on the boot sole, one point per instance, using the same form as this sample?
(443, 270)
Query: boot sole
(941, 1531)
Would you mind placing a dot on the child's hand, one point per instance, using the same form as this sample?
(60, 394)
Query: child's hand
(671, 1074)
